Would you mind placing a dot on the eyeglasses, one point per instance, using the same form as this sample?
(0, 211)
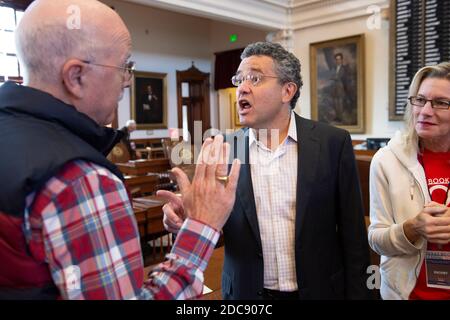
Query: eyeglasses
(435, 103)
(128, 69)
(255, 79)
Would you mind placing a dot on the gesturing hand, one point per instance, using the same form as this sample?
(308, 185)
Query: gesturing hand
(207, 199)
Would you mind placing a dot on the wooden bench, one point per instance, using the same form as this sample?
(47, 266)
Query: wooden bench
(141, 185)
(143, 167)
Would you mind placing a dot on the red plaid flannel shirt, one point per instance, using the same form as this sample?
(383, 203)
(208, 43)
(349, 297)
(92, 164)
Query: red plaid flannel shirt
(82, 224)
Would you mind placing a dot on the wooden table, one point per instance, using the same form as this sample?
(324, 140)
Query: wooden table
(149, 215)
(142, 184)
(143, 167)
(151, 152)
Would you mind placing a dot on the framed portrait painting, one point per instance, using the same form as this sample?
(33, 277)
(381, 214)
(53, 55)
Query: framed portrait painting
(234, 115)
(337, 82)
(236, 122)
(149, 100)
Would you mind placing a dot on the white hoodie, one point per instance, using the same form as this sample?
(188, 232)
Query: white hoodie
(398, 192)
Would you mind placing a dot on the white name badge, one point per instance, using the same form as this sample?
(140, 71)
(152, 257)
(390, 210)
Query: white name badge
(438, 269)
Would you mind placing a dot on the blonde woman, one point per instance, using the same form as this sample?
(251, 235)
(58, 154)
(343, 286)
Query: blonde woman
(409, 194)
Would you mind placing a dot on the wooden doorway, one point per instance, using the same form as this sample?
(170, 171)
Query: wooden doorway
(193, 99)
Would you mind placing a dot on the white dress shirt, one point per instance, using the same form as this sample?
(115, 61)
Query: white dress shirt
(274, 178)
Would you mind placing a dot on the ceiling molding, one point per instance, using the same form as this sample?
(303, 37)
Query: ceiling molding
(285, 4)
(306, 3)
(329, 11)
(271, 15)
(265, 14)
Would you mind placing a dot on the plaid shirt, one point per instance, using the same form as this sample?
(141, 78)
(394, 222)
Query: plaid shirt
(82, 224)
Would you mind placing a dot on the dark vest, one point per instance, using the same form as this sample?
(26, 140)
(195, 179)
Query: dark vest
(39, 134)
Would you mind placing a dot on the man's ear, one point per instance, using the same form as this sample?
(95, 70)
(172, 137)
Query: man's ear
(288, 91)
(73, 73)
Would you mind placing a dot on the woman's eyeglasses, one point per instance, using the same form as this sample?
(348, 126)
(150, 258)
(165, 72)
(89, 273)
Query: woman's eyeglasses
(419, 101)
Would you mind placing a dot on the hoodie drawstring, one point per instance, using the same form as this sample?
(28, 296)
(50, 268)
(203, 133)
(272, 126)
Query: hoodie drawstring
(411, 186)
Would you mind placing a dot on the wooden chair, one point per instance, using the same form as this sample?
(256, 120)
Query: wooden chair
(176, 153)
(363, 165)
(119, 153)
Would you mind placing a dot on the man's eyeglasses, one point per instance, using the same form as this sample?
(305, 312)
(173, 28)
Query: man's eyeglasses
(254, 78)
(128, 68)
(419, 101)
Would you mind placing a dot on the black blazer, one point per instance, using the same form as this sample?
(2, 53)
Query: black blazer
(331, 248)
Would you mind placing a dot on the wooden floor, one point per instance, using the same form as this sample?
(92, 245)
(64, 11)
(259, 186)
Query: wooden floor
(213, 275)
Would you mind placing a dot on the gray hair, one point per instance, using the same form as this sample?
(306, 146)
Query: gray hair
(441, 71)
(287, 65)
(130, 123)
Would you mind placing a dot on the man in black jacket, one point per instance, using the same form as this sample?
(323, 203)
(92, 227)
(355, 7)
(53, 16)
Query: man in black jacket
(297, 228)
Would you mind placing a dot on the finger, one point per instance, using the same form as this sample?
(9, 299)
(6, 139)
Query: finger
(174, 200)
(182, 179)
(170, 197)
(213, 159)
(438, 230)
(440, 221)
(432, 204)
(440, 236)
(447, 213)
(200, 168)
(438, 241)
(204, 151)
(171, 229)
(435, 210)
(216, 149)
(171, 220)
(222, 166)
(234, 176)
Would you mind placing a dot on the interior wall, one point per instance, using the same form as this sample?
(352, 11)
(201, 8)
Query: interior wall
(376, 71)
(220, 33)
(165, 41)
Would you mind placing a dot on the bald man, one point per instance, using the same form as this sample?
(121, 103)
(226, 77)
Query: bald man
(67, 228)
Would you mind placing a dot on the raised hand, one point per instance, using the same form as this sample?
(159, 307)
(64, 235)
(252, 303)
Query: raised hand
(211, 195)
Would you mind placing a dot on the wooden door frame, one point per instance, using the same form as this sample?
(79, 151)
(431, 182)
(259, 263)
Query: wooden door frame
(194, 74)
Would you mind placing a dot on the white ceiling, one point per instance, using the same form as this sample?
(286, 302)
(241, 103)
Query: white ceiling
(270, 15)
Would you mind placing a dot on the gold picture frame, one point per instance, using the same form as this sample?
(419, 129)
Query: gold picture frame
(149, 100)
(234, 115)
(337, 82)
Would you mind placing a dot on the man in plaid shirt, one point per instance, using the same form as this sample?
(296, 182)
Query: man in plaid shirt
(67, 228)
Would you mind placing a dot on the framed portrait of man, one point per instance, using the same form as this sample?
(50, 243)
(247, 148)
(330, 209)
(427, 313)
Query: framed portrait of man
(337, 82)
(234, 115)
(149, 100)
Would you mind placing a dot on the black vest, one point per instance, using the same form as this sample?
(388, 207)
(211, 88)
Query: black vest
(38, 135)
